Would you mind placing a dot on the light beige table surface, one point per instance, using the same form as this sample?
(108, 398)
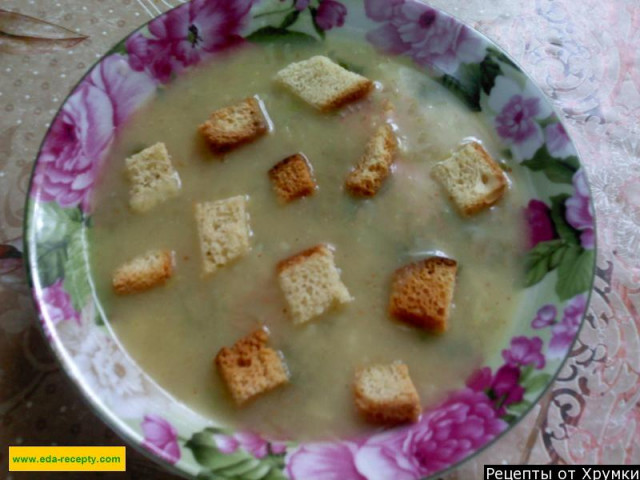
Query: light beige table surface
(585, 55)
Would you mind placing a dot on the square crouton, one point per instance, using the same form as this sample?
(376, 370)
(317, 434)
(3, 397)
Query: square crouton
(250, 368)
(323, 83)
(472, 178)
(385, 394)
(223, 228)
(143, 272)
(292, 178)
(152, 176)
(375, 165)
(422, 293)
(234, 125)
(311, 283)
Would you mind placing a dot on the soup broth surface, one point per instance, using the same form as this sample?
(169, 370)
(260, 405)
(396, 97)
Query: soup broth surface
(175, 331)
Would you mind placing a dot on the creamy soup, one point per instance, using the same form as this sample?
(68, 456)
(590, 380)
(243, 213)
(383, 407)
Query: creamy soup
(175, 331)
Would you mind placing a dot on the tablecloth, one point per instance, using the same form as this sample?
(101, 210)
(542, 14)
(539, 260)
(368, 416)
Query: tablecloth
(586, 57)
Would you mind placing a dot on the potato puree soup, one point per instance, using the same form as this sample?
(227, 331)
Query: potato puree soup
(173, 332)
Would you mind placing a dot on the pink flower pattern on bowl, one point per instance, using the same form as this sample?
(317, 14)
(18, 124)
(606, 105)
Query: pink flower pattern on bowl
(538, 216)
(503, 387)
(84, 129)
(580, 210)
(493, 397)
(459, 426)
(444, 435)
(161, 438)
(517, 111)
(326, 461)
(565, 331)
(545, 317)
(525, 351)
(330, 14)
(557, 141)
(57, 303)
(186, 36)
(301, 5)
(430, 38)
(250, 442)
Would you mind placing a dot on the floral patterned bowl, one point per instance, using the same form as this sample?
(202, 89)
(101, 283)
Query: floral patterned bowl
(559, 265)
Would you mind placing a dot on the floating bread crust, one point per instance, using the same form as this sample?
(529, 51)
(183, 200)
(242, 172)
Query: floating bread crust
(311, 283)
(223, 228)
(234, 125)
(422, 292)
(323, 83)
(375, 165)
(385, 394)
(152, 176)
(250, 368)
(143, 272)
(292, 178)
(472, 178)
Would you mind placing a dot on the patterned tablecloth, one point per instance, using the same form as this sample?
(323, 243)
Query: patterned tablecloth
(585, 55)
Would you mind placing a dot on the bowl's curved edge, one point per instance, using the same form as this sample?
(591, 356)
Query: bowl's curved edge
(134, 438)
(121, 429)
(548, 387)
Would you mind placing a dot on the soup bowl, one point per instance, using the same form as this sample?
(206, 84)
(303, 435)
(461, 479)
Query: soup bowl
(558, 266)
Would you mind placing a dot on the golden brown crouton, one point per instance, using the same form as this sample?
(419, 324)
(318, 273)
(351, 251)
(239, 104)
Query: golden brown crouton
(223, 228)
(234, 125)
(472, 178)
(311, 283)
(152, 176)
(422, 293)
(250, 368)
(323, 83)
(143, 272)
(292, 178)
(385, 394)
(375, 165)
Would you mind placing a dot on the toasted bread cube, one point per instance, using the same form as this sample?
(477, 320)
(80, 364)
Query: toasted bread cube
(323, 83)
(234, 125)
(375, 165)
(152, 176)
(472, 178)
(143, 272)
(311, 283)
(223, 228)
(292, 178)
(422, 293)
(385, 394)
(250, 368)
